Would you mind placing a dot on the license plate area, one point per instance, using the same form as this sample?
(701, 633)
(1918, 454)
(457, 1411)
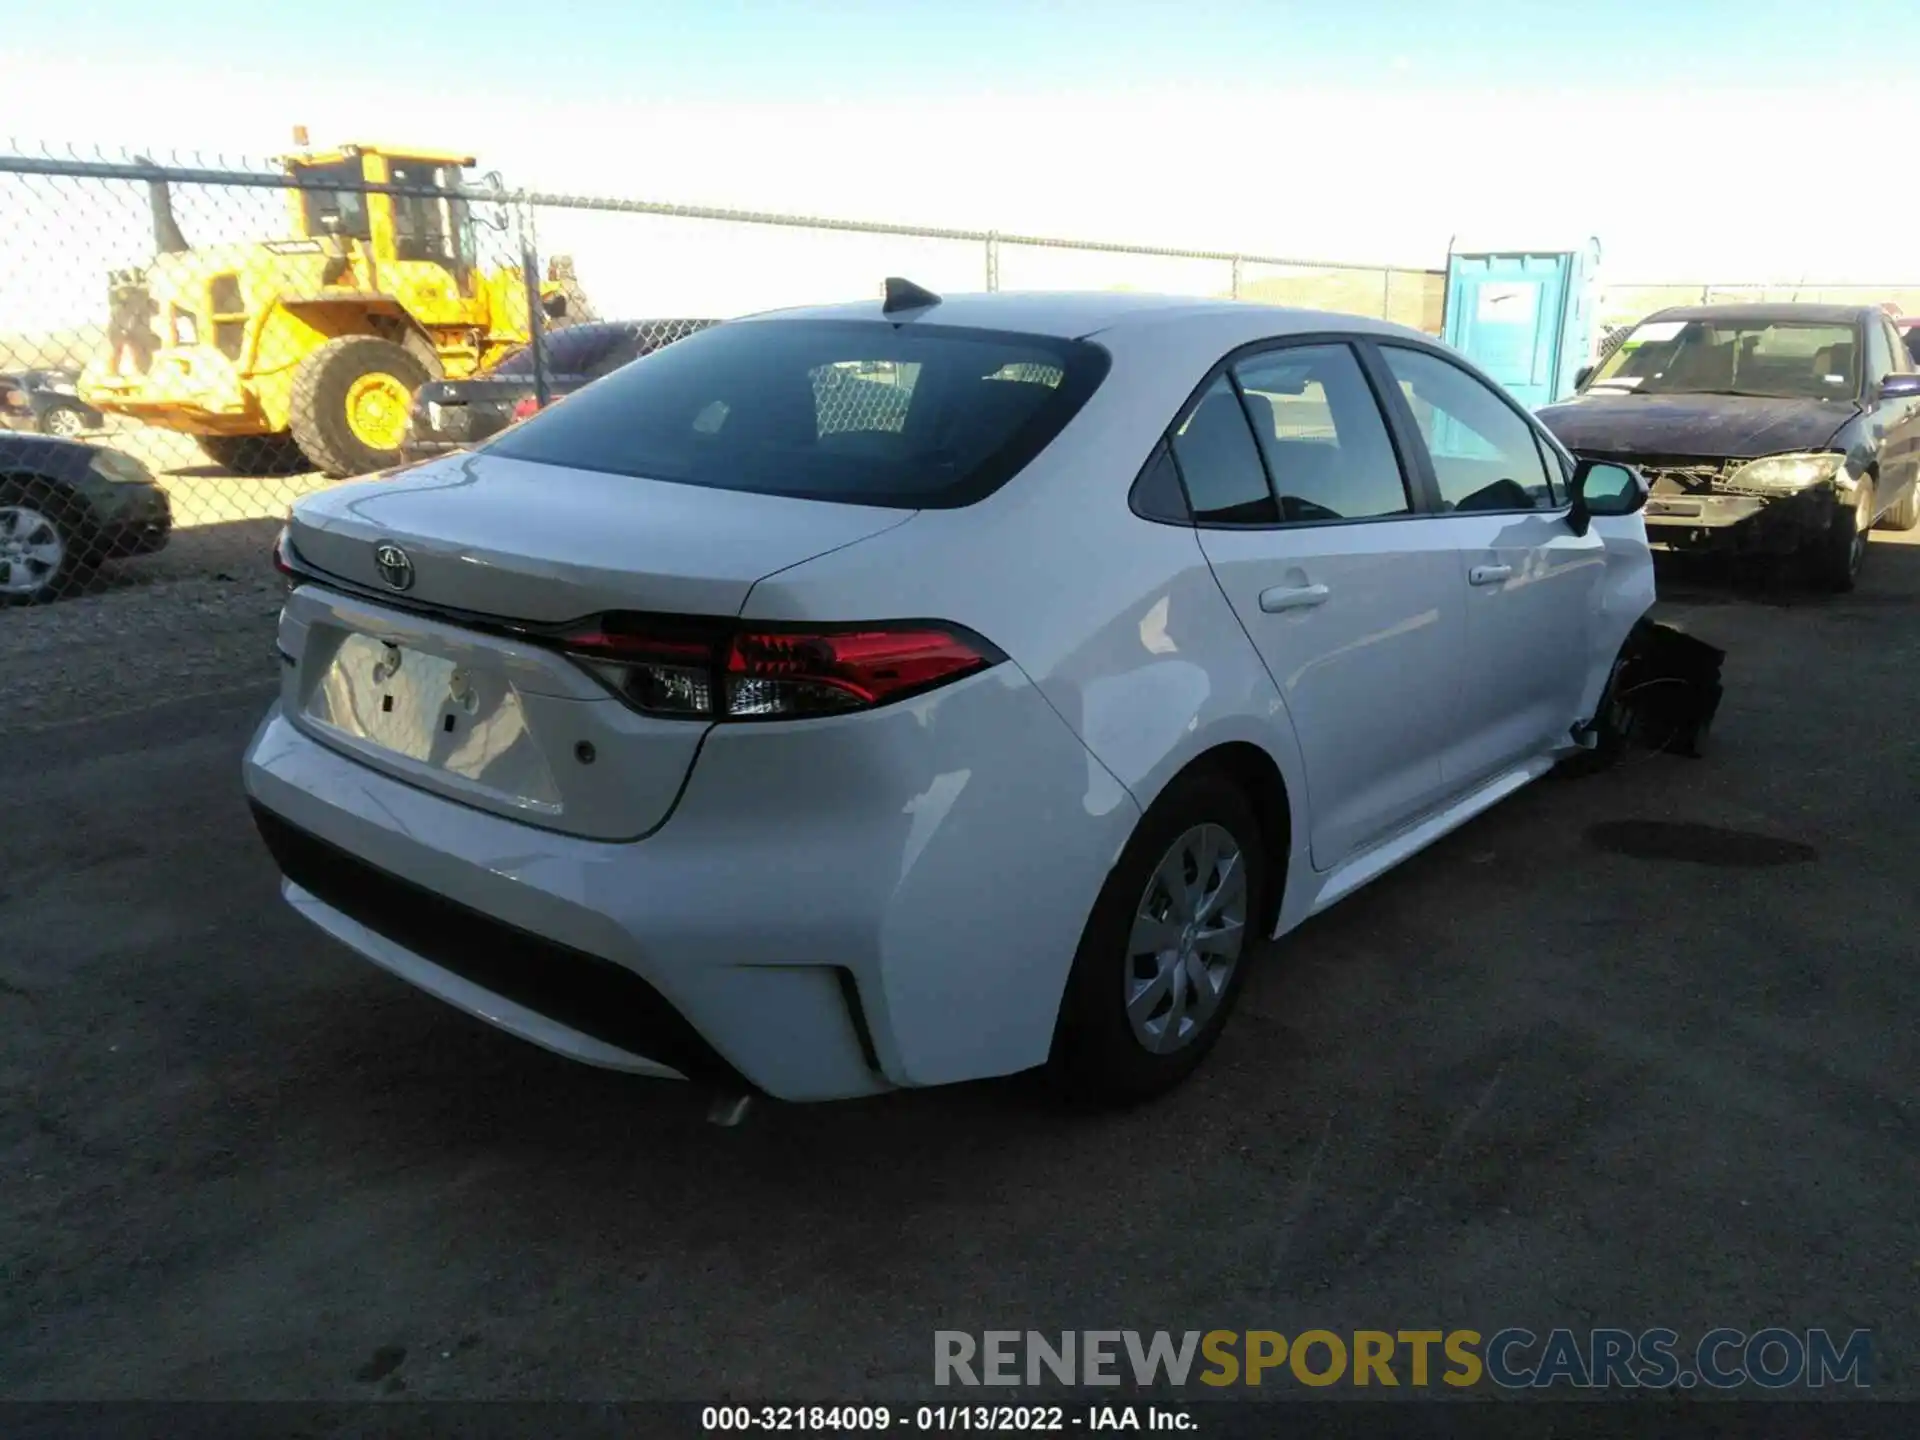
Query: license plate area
(427, 714)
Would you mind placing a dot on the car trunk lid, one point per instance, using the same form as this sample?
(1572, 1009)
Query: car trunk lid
(534, 543)
(458, 682)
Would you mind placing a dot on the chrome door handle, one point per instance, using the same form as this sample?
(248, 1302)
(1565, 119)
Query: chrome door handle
(1292, 597)
(1489, 574)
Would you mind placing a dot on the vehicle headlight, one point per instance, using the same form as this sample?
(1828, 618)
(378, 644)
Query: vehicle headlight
(1787, 472)
(185, 332)
(123, 469)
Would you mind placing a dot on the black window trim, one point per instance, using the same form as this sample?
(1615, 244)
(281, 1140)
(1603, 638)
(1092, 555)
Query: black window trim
(1403, 415)
(1422, 497)
(1137, 492)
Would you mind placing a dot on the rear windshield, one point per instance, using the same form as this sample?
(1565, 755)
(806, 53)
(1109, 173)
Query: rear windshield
(860, 412)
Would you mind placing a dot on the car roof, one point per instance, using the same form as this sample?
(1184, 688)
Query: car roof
(1075, 314)
(1780, 310)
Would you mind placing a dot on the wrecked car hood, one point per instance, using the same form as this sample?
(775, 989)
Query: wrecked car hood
(1732, 427)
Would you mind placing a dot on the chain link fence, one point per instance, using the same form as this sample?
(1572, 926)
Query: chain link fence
(230, 335)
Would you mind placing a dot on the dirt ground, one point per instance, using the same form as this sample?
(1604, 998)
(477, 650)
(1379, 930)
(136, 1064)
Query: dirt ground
(1563, 1069)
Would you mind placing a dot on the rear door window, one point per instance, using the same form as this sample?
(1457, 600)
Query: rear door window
(1219, 462)
(1323, 436)
(861, 412)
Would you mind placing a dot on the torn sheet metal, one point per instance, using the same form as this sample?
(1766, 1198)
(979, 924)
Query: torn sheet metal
(1670, 688)
(1663, 695)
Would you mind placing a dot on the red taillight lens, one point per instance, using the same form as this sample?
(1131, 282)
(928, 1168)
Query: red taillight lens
(772, 674)
(280, 562)
(525, 407)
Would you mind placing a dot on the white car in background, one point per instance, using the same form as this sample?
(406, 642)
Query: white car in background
(886, 695)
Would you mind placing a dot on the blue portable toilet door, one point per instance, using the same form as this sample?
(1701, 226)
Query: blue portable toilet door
(1506, 313)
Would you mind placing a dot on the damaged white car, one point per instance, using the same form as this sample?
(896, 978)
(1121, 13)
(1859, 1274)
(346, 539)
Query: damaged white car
(900, 693)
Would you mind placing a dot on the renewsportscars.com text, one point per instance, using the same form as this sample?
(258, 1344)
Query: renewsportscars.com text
(1774, 1358)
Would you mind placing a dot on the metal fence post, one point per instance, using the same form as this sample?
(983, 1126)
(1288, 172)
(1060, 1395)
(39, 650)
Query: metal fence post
(536, 315)
(993, 260)
(1386, 294)
(1236, 277)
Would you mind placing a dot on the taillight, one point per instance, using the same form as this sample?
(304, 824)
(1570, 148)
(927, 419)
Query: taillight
(753, 672)
(524, 407)
(282, 547)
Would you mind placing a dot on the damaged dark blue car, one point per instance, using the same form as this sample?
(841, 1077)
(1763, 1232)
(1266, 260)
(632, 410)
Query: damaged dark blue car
(1775, 429)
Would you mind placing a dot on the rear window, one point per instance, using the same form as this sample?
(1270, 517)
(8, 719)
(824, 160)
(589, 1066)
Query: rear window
(859, 412)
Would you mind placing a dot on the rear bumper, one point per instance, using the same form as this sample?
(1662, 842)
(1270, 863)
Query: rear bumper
(128, 519)
(144, 538)
(836, 908)
(1754, 524)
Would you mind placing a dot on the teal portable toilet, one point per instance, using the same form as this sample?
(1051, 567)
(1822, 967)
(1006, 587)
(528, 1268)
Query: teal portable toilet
(1523, 316)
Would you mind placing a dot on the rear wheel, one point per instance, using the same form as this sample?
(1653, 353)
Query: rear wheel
(351, 398)
(63, 420)
(43, 547)
(1836, 559)
(254, 454)
(1164, 953)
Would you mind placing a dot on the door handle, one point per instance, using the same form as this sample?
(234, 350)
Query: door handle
(1489, 574)
(1292, 597)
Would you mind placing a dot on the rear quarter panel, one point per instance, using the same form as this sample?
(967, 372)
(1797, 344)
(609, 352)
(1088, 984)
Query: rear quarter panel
(1117, 620)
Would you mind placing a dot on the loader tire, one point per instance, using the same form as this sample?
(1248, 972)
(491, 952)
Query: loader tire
(254, 455)
(351, 398)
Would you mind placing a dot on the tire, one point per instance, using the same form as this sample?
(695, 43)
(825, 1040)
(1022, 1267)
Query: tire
(65, 421)
(254, 455)
(44, 548)
(1101, 1053)
(1905, 515)
(350, 404)
(1837, 557)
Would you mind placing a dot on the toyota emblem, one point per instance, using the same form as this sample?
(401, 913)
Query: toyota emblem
(394, 566)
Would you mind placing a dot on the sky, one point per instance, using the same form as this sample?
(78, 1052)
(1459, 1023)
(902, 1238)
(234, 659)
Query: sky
(1697, 140)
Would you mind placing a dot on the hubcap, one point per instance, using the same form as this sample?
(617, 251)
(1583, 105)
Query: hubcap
(1187, 936)
(31, 550)
(63, 422)
(377, 411)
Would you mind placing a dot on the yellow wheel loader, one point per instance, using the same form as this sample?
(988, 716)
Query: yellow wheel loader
(305, 352)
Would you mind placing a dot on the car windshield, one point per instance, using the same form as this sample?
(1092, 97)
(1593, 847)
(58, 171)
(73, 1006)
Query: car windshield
(1784, 359)
(861, 412)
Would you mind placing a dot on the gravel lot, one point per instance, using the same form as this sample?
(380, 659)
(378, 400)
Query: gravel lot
(1528, 1079)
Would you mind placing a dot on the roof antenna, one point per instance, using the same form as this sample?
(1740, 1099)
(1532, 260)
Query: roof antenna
(905, 295)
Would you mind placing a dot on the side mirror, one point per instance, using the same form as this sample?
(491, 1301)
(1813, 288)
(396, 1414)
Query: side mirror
(555, 306)
(1900, 387)
(1600, 487)
(1581, 376)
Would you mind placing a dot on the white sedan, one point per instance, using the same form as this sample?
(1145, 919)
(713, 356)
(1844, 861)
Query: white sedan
(899, 693)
